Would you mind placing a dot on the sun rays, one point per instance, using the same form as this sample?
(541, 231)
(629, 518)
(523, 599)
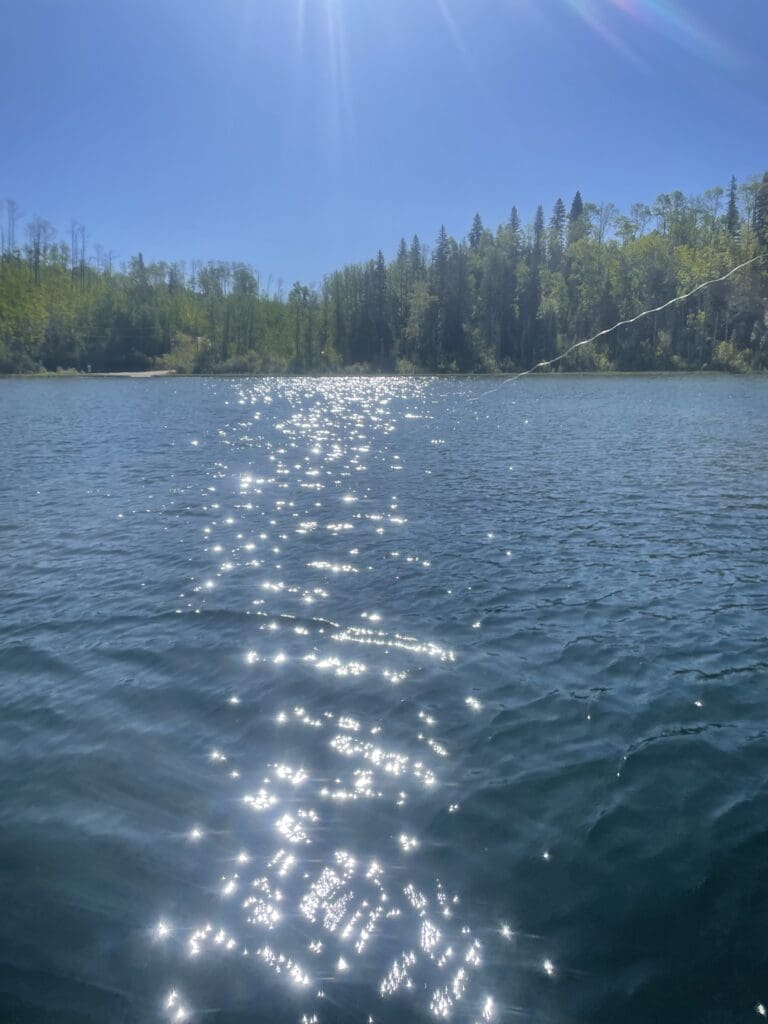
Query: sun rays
(618, 22)
(338, 40)
(322, 61)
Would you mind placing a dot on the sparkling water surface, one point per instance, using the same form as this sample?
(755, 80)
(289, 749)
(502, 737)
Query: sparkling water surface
(384, 700)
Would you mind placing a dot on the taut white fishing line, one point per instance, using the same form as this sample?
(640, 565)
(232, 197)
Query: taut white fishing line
(621, 323)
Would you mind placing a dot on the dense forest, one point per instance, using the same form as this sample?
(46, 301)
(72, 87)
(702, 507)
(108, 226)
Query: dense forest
(500, 300)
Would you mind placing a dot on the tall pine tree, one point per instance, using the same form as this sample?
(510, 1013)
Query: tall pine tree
(557, 235)
(761, 215)
(732, 213)
(577, 227)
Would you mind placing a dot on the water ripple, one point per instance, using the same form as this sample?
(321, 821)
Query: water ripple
(350, 700)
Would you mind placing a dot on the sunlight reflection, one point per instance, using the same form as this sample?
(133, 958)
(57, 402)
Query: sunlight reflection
(335, 779)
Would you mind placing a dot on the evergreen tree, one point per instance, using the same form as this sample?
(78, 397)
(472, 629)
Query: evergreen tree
(539, 243)
(382, 330)
(761, 215)
(416, 259)
(577, 227)
(732, 213)
(476, 232)
(402, 256)
(557, 234)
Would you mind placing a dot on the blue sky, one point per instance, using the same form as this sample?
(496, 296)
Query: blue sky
(298, 135)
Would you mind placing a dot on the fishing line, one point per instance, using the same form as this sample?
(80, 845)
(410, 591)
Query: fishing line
(621, 323)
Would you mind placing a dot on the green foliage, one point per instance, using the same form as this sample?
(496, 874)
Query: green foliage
(761, 215)
(502, 300)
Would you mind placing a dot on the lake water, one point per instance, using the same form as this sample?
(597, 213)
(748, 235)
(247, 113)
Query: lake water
(391, 700)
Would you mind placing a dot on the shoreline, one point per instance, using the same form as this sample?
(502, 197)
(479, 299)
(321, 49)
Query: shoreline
(340, 375)
(139, 374)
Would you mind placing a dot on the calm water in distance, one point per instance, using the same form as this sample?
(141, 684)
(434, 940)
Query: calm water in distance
(384, 700)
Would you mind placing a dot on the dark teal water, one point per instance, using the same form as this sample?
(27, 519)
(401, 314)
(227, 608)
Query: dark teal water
(384, 700)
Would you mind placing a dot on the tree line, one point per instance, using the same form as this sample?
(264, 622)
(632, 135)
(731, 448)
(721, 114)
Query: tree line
(493, 301)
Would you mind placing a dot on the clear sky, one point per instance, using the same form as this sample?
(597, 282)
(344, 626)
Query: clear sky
(298, 135)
